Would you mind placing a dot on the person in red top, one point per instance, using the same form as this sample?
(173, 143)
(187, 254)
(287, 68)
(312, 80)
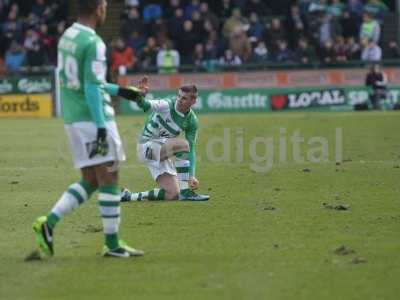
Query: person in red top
(122, 57)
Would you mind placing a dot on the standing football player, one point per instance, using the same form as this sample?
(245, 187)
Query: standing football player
(89, 123)
(170, 159)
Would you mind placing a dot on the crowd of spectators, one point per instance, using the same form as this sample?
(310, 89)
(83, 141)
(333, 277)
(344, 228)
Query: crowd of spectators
(169, 35)
(29, 32)
(235, 32)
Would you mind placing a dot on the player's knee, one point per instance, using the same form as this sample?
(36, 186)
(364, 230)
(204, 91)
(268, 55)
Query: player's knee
(184, 146)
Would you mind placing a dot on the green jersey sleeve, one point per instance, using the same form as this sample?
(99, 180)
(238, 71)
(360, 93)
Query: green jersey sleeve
(191, 137)
(94, 79)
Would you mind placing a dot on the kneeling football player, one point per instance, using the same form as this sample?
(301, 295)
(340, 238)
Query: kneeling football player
(170, 159)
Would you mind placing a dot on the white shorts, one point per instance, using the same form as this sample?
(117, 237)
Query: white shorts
(149, 154)
(82, 135)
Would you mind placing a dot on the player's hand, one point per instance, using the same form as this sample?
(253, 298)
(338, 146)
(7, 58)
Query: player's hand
(144, 85)
(135, 93)
(100, 145)
(194, 183)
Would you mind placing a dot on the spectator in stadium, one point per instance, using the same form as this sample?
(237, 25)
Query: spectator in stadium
(48, 43)
(393, 50)
(171, 8)
(340, 49)
(187, 41)
(256, 6)
(198, 25)
(305, 54)
(377, 8)
(198, 56)
(132, 3)
(193, 6)
(3, 68)
(350, 25)
(371, 51)
(132, 22)
(260, 53)
(208, 15)
(335, 9)
(355, 7)
(274, 33)
(327, 52)
(240, 44)
(233, 22)
(168, 59)
(284, 54)
(325, 28)
(296, 25)
(15, 57)
(224, 8)
(370, 28)
(136, 41)
(175, 24)
(256, 28)
(122, 58)
(149, 53)
(353, 49)
(36, 55)
(39, 8)
(229, 59)
(152, 12)
(377, 81)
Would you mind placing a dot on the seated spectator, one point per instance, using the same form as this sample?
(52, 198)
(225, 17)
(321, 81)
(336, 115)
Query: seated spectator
(122, 58)
(240, 44)
(371, 51)
(198, 58)
(210, 50)
(370, 29)
(175, 24)
(15, 57)
(233, 22)
(340, 50)
(353, 49)
(230, 59)
(328, 52)
(393, 50)
(326, 29)
(168, 59)
(48, 42)
(149, 53)
(274, 33)
(133, 22)
(198, 25)
(256, 29)
(260, 52)
(305, 54)
(187, 41)
(284, 54)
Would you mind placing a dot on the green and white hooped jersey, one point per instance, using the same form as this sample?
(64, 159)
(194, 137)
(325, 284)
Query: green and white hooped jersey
(81, 60)
(166, 122)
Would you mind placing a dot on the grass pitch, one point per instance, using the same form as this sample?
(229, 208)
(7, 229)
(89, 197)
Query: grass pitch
(263, 235)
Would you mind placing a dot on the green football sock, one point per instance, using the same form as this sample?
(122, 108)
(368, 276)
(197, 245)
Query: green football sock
(75, 195)
(153, 195)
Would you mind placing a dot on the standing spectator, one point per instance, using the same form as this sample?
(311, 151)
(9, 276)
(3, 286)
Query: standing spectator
(175, 24)
(353, 49)
(234, 21)
(393, 50)
(148, 57)
(284, 54)
(350, 25)
(260, 52)
(15, 57)
(328, 29)
(274, 33)
(187, 41)
(168, 59)
(230, 59)
(48, 42)
(371, 51)
(296, 25)
(377, 81)
(335, 9)
(370, 29)
(133, 22)
(122, 58)
(305, 54)
(208, 15)
(256, 29)
(377, 8)
(240, 44)
(256, 6)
